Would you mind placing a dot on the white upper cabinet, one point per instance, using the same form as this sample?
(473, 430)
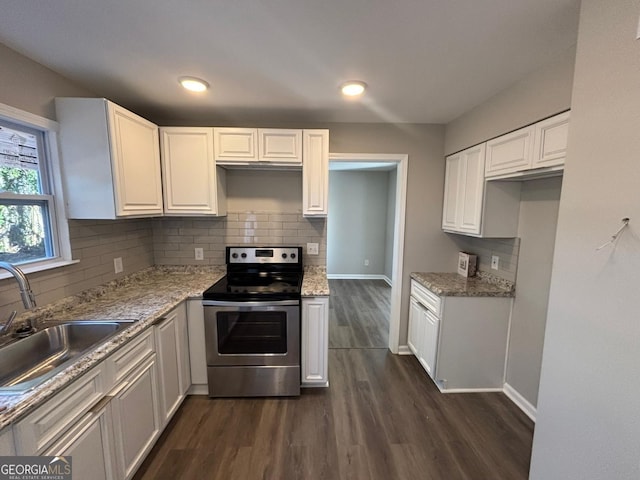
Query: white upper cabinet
(235, 145)
(463, 191)
(550, 146)
(510, 152)
(538, 149)
(110, 158)
(246, 145)
(193, 185)
(474, 206)
(280, 146)
(315, 173)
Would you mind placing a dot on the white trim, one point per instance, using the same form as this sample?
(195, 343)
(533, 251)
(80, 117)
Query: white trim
(404, 350)
(40, 266)
(27, 119)
(468, 390)
(198, 390)
(521, 402)
(356, 276)
(398, 231)
(59, 224)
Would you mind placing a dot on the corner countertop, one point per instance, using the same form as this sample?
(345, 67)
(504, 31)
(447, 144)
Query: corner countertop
(315, 283)
(454, 285)
(142, 296)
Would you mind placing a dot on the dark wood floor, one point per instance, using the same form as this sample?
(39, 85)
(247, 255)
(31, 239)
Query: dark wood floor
(359, 314)
(381, 418)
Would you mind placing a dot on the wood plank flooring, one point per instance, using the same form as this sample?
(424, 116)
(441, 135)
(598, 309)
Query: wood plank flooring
(359, 314)
(381, 418)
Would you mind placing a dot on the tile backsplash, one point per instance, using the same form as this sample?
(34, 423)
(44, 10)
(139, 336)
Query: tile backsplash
(175, 239)
(95, 243)
(507, 249)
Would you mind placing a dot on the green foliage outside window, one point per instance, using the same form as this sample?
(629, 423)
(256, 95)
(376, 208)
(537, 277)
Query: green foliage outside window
(22, 229)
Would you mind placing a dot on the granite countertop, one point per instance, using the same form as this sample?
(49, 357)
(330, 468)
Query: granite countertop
(454, 285)
(144, 297)
(315, 283)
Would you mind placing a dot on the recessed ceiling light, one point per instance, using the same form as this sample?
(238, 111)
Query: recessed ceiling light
(193, 84)
(353, 88)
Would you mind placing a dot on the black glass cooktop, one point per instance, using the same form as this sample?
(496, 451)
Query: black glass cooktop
(256, 287)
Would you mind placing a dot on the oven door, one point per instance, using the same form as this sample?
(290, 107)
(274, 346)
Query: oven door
(252, 333)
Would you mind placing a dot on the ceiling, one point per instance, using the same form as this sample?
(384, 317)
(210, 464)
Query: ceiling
(425, 61)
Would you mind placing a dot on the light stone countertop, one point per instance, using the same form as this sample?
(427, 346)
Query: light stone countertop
(144, 297)
(454, 285)
(315, 283)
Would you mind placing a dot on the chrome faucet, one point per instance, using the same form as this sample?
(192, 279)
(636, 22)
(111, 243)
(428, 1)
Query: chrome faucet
(28, 299)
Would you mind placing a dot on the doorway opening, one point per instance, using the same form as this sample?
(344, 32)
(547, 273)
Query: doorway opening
(365, 248)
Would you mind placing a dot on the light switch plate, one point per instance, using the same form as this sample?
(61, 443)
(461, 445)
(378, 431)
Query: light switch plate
(117, 264)
(199, 254)
(312, 249)
(495, 262)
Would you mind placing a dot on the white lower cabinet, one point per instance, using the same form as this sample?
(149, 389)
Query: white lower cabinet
(90, 444)
(136, 417)
(460, 342)
(173, 375)
(197, 347)
(315, 342)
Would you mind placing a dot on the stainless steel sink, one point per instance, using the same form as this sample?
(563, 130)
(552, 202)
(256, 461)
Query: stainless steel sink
(28, 362)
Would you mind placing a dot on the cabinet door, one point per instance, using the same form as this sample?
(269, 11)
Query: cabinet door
(280, 145)
(136, 417)
(452, 192)
(550, 146)
(235, 145)
(189, 171)
(470, 195)
(416, 328)
(315, 173)
(315, 341)
(430, 342)
(509, 153)
(168, 367)
(197, 348)
(135, 154)
(184, 363)
(90, 444)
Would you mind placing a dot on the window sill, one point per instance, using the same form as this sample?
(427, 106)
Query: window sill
(39, 267)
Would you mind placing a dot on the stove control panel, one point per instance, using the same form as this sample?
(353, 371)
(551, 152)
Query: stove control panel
(286, 255)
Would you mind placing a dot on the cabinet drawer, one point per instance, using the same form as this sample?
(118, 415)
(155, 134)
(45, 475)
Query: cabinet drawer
(37, 431)
(426, 297)
(121, 363)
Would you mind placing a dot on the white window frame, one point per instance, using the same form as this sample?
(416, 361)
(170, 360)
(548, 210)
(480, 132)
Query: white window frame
(59, 223)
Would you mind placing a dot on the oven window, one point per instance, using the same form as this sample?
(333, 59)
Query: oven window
(252, 332)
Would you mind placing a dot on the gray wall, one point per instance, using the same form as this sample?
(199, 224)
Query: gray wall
(29, 86)
(390, 228)
(588, 424)
(539, 95)
(537, 229)
(529, 258)
(356, 227)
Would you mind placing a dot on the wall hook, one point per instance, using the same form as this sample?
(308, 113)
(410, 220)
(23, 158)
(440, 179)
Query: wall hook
(614, 237)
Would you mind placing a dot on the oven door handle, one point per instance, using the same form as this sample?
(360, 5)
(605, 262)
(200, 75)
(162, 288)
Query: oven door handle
(275, 303)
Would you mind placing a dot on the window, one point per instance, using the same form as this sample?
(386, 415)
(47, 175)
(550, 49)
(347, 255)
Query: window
(31, 217)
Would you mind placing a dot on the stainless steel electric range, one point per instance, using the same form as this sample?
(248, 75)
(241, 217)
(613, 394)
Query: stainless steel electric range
(252, 323)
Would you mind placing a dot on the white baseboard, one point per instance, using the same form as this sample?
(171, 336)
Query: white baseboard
(358, 276)
(467, 390)
(521, 402)
(404, 350)
(198, 390)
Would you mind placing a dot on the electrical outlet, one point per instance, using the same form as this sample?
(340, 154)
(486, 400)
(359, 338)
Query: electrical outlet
(366, 262)
(199, 254)
(495, 262)
(312, 249)
(117, 264)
